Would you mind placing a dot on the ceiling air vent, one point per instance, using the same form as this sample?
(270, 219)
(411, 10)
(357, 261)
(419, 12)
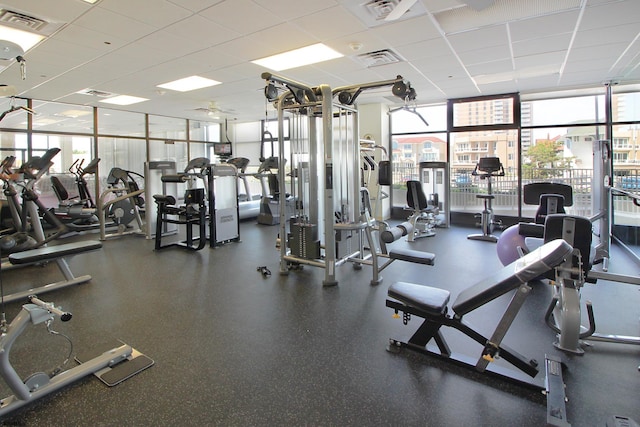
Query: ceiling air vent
(379, 12)
(98, 93)
(379, 57)
(19, 20)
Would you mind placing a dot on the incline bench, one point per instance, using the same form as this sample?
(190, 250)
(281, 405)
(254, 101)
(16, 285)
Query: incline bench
(431, 304)
(57, 253)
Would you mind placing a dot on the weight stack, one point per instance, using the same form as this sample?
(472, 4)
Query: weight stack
(303, 241)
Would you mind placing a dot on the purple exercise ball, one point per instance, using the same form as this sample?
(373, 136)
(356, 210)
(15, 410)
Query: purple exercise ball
(508, 244)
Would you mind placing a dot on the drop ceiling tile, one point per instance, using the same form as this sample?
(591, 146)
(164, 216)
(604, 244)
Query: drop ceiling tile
(540, 60)
(98, 41)
(541, 45)
(172, 45)
(289, 10)
(243, 16)
(543, 26)
(162, 13)
(196, 5)
(407, 32)
(114, 24)
(424, 49)
(330, 23)
(500, 87)
(606, 54)
(599, 36)
(611, 15)
(492, 67)
(484, 55)
(282, 38)
(246, 48)
(481, 38)
(465, 18)
(201, 32)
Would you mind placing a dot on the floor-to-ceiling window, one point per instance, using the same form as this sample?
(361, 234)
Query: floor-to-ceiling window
(625, 154)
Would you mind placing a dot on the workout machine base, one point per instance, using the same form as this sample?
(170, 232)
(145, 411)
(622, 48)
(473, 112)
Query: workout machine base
(133, 364)
(484, 237)
(496, 371)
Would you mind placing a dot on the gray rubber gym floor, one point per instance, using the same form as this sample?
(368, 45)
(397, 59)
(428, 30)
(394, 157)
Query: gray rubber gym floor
(234, 348)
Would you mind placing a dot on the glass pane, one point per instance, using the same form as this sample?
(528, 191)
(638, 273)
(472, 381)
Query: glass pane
(167, 128)
(123, 123)
(421, 119)
(467, 148)
(626, 176)
(204, 131)
(406, 154)
(14, 144)
(583, 109)
(626, 107)
(125, 153)
(497, 111)
(52, 116)
(562, 155)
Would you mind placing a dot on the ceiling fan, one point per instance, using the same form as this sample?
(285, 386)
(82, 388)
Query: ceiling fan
(213, 111)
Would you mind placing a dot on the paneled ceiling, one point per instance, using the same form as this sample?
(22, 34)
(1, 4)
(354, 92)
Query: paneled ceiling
(445, 48)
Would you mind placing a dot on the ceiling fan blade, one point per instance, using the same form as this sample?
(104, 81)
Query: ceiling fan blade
(402, 8)
(477, 4)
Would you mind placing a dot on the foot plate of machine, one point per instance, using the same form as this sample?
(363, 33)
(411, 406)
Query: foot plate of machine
(114, 375)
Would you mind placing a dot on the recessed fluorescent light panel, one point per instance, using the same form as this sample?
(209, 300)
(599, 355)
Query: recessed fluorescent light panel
(189, 83)
(299, 57)
(24, 39)
(123, 100)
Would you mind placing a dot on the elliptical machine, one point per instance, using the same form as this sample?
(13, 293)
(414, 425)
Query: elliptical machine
(26, 215)
(487, 168)
(79, 212)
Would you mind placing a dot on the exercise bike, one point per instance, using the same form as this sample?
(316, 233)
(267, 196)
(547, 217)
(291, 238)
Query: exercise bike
(487, 168)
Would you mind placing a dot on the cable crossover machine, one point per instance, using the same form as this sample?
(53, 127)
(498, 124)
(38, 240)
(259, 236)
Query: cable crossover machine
(326, 229)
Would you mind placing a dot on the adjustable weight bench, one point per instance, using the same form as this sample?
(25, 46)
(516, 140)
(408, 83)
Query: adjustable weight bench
(57, 253)
(432, 304)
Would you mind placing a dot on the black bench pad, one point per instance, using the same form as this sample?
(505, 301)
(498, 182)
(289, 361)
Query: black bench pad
(430, 300)
(53, 252)
(411, 255)
(527, 268)
(531, 230)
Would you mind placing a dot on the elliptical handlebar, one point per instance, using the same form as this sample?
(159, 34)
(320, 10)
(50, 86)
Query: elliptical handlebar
(65, 316)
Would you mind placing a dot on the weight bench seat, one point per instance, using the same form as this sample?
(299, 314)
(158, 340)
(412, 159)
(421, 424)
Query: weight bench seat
(430, 300)
(411, 255)
(52, 252)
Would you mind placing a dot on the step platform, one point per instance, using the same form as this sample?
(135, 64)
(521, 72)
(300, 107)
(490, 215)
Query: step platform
(133, 364)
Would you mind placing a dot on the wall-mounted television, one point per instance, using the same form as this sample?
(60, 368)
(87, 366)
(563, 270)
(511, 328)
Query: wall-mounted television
(222, 149)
